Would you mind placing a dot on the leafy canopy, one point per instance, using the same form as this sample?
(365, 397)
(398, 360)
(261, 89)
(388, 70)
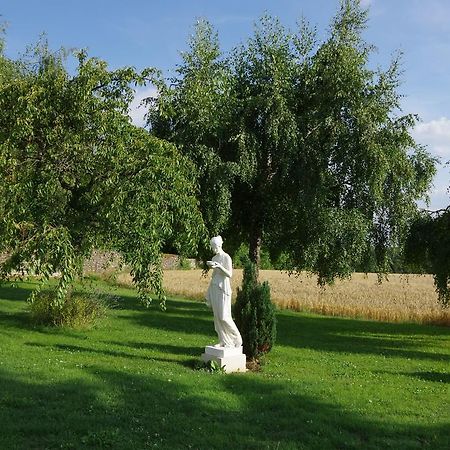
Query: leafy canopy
(299, 145)
(194, 110)
(77, 175)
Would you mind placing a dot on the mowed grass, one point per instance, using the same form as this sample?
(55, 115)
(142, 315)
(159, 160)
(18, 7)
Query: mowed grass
(398, 298)
(130, 383)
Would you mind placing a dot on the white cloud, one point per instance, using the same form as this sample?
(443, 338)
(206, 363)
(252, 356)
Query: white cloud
(436, 136)
(366, 3)
(137, 111)
(439, 194)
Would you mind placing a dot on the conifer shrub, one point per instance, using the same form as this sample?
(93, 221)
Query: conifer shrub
(254, 314)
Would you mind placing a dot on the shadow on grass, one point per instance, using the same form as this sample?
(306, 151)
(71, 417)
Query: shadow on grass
(168, 349)
(437, 377)
(165, 348)
(115, 409)
(12, 317)
(320, 333)
(173, 307)
(19, 319)
(333, 334)
(189, 409)
(11, 293)
(181, 316)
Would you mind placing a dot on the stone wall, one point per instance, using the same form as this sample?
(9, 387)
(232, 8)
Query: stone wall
(103, 261)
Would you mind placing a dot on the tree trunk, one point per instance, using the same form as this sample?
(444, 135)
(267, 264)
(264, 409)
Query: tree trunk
(256, 212)
(254, 251)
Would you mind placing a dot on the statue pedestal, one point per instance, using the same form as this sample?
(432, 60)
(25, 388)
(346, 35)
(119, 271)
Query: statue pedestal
(231, 357)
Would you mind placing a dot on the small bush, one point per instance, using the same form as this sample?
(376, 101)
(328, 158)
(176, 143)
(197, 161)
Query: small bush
(79, 310)
(254, 314)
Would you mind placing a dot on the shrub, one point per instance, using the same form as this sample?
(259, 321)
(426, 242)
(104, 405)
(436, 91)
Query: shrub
(79, 310)
(254, 314)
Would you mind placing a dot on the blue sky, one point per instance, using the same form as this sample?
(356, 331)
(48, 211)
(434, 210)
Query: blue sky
(152, 33)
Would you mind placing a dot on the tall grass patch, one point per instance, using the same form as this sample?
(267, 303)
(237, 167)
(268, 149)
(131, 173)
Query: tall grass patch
(79, 309)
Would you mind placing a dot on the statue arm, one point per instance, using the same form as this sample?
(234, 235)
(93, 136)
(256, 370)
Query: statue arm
(227, 267)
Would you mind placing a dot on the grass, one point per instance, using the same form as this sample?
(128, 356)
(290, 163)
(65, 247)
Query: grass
(129, 383)
(400, 298)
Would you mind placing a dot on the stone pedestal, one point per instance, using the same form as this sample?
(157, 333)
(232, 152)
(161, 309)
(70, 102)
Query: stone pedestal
(231, 358)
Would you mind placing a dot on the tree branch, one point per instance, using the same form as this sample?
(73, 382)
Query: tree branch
(436, 212)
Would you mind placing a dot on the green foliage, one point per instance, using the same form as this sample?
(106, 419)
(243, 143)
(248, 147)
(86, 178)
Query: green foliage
(193, 111)
(300, 147)
(79, 310)
(214, 367)
(7, 67)
(77, 175)
(240, 257)
(254, 314)
(428, 250)
(184, 263)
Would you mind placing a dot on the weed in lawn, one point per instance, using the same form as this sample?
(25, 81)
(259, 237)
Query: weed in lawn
(210, 366)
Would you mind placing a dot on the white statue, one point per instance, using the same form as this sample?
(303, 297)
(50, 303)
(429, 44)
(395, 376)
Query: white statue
(218, 296)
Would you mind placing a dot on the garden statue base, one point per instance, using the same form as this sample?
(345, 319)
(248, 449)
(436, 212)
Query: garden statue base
(231, 359)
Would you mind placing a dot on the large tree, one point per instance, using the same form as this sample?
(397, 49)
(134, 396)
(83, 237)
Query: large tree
(77, 175)
(320, 161)
(354, 174)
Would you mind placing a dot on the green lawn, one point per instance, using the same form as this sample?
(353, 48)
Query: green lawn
(130, 383)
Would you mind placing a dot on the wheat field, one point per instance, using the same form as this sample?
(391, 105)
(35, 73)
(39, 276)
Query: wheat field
(398, 298)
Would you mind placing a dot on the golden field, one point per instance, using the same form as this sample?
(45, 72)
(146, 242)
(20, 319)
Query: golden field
(397, 298)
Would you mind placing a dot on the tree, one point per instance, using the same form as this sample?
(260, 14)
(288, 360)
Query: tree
(428, 249)
(194, 111)
(354, 184)
(77, 175)
(7, 67)
(321, 165)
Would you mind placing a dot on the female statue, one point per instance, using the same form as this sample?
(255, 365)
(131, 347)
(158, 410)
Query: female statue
(218, 296)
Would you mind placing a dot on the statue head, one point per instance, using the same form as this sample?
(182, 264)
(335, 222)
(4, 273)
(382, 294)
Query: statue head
(216, 244)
